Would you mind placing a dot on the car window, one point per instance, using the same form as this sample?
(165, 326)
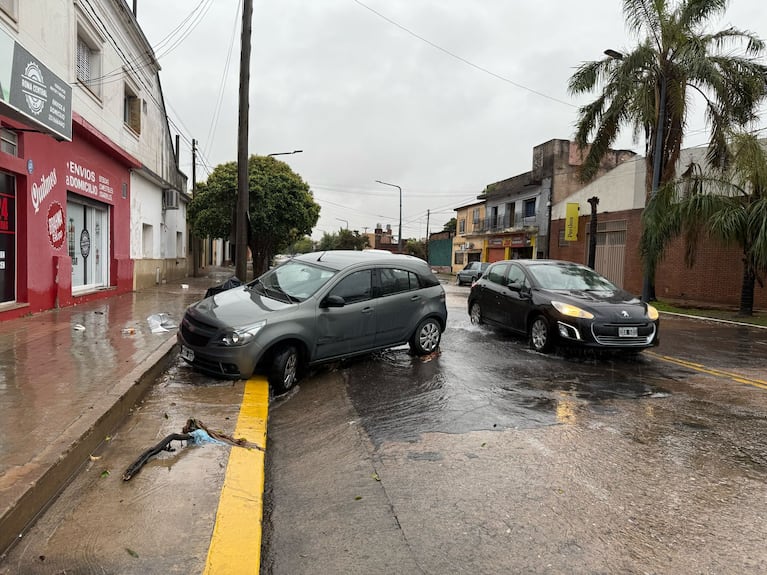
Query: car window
(395, 281)
(497, 273)
(517, 277)
(297, 279)
(570, 277)
(355, 287)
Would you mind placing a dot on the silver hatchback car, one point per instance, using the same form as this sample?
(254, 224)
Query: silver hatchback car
(315, 308)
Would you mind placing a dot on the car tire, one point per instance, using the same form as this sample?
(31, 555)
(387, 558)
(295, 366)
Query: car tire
(540, 334)
(283, 372)
(458, 281)
(475, 314)
(426, 338)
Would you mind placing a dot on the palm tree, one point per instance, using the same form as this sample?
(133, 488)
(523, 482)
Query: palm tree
(650, 88)
(727, 205)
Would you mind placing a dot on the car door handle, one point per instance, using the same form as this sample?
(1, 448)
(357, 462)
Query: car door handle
(415, 298)
(367, 310)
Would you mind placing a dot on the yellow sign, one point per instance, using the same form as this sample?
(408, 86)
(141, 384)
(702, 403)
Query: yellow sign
(571, 223)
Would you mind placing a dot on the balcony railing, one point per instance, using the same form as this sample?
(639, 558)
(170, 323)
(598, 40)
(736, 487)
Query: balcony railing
(501, 223)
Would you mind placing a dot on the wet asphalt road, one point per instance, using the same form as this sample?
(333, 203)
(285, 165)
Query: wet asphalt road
(483, 458)
(490, 458)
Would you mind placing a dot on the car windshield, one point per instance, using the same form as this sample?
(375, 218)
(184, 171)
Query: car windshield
(569, 277)
(293, 281)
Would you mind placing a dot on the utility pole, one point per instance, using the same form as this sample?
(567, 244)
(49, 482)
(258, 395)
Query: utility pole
(195, 241)
(243, 200)
(593, 232)
(428, 212)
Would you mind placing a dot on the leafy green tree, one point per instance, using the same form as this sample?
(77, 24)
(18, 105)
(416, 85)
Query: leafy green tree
(729, 206)
(676, 51)
(416, 248)
(281, 207)
(450, 225)
(343, 240)
(302, 246)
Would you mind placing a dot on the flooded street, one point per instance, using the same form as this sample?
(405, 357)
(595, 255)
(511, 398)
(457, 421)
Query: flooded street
(490, 458)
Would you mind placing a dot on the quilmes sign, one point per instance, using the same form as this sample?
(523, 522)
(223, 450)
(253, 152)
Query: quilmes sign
(30, 89)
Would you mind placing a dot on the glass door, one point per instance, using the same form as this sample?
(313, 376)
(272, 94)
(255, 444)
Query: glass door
(88, 244)
(7, 238)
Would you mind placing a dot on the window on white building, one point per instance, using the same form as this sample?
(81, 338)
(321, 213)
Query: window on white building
(88, 61)
(10, 7)
(132, 109)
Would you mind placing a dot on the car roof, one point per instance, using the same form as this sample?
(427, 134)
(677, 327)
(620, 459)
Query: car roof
(340, 259)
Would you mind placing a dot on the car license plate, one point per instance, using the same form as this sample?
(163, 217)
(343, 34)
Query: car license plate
(187, 353)
(627, 332)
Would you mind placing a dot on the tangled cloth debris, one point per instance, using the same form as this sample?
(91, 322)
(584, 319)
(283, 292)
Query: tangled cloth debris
(194, 432)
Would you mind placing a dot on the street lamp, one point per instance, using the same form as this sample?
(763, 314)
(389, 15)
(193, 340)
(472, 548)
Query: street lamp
(399, 237)
(656, 160)
(284, 153)
(344, 221)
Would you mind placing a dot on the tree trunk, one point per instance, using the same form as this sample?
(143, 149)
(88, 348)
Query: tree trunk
(747, 289)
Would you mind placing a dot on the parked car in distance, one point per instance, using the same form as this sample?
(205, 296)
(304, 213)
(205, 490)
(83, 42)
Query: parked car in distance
(558, 302)
(315, 308)
(471, 273)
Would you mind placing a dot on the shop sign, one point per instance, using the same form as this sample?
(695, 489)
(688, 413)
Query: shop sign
(30, 90)
(56, 228)
(571, 223)
(518, 240)
(86, 180)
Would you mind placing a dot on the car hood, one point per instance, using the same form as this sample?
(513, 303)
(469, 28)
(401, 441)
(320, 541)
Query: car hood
(603, 302)
(239, 306)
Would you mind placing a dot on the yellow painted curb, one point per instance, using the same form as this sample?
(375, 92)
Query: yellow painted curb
(235, 546)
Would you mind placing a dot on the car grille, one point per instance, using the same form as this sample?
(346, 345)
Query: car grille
(196, 332)
(607, 334)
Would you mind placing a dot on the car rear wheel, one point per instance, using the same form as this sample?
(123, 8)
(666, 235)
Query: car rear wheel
(283, 373)
(476, 314)
(540, 335)
(426, 337)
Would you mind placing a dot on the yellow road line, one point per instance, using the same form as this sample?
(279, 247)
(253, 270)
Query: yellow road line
(719, 373)
(235, 546)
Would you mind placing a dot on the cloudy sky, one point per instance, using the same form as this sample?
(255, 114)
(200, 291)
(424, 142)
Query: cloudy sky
(439, 97)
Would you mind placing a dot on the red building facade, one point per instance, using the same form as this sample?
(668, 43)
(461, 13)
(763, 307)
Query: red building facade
(64, 218)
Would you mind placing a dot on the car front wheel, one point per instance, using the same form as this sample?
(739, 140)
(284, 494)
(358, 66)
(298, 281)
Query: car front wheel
(476, 314)
(426, 338)
(540, 335)
(283, 373)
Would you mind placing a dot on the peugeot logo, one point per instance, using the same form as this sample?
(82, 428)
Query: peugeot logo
(625, 314)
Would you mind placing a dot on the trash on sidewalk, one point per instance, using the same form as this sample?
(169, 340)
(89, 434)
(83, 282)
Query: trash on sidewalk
(129, 331)
(78, 327)
(160, 322)
(194, 433)
(232, 282)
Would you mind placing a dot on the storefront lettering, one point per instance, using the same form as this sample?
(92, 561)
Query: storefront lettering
(41, 190)
(81, 179)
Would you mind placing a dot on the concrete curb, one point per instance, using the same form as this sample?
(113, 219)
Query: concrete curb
(53, 469)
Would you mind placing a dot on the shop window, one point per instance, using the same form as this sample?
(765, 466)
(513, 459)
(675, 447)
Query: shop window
(88, 243)
(88, 61)
(459, 258)
(9, 142)
(132, 110)
(10, 7)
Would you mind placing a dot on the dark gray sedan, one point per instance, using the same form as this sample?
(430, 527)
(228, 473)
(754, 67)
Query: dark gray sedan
(553, 302)
(315, 308)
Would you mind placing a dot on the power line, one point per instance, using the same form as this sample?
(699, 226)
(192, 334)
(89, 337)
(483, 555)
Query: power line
(461, 59)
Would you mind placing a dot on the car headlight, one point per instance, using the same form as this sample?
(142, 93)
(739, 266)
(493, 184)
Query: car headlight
(652, 313)
(571, 310)
(242, 335)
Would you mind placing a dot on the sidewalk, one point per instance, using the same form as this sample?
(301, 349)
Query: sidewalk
(68, 378)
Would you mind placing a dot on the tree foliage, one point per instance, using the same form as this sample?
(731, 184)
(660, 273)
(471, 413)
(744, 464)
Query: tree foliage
(676, 47)
(343, 240)
(281, 207)
(450, 226)
(729, 206)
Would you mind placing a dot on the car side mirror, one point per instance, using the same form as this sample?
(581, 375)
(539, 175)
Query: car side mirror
(333, 301)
